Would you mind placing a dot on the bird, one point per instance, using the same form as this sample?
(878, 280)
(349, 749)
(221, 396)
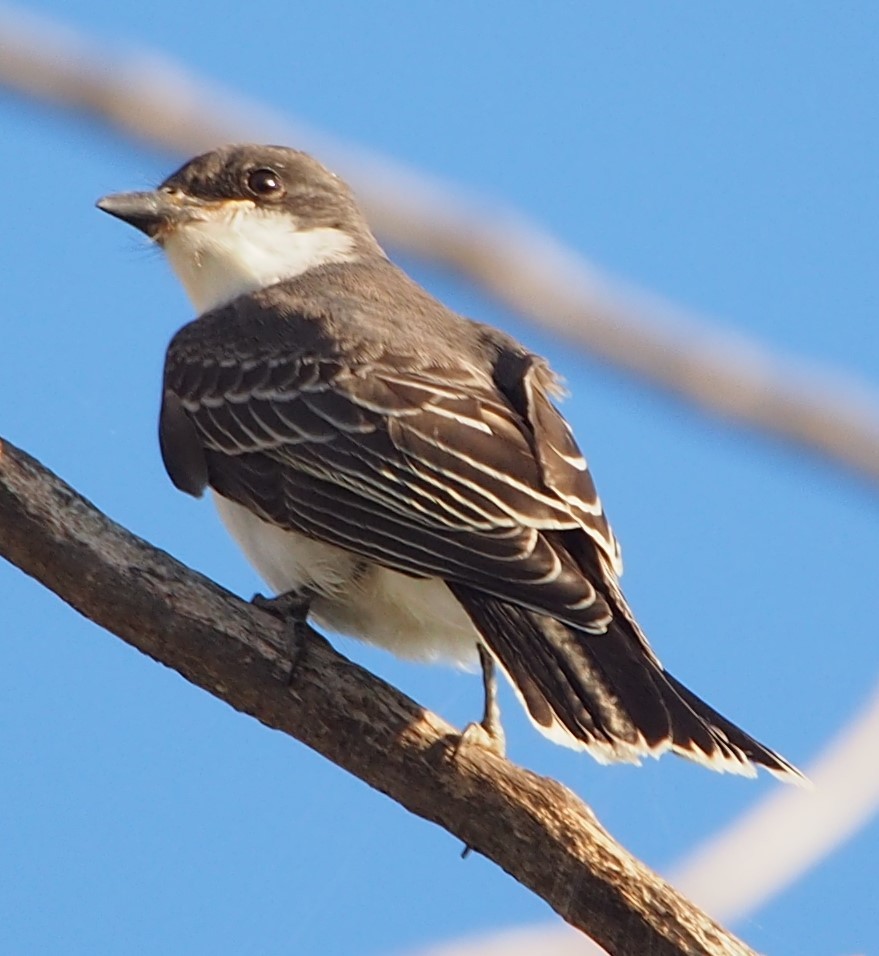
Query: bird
(400, 472)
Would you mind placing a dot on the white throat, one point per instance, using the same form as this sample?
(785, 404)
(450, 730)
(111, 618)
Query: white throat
(239, 249)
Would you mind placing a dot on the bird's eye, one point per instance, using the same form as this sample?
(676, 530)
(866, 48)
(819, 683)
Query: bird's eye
(265, 183)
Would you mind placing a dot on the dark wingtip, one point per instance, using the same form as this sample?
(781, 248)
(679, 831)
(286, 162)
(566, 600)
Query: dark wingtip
(182, 450)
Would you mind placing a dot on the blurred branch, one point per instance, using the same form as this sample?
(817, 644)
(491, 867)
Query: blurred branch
(532, 827)
(549, 940)
(157, 103)
(782, 837)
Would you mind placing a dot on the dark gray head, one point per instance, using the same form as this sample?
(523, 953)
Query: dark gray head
(243, 217)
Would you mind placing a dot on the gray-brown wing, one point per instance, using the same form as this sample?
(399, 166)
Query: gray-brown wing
(432, 471)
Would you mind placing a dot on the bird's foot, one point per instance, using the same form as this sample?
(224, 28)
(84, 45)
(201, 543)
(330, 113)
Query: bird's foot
(488, 733)
(489, 737)
(292, 610)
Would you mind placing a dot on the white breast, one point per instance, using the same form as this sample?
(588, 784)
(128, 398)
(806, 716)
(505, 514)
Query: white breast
(237, 248)
(417, 618)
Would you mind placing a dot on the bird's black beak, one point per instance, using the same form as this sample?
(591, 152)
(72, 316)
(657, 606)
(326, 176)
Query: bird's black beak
(152, 212)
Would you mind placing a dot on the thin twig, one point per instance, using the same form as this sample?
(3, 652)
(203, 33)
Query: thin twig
(533, 827)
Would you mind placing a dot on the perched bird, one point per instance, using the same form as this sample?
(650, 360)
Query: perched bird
(399, 468)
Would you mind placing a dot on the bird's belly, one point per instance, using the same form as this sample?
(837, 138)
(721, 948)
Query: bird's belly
(417, 618)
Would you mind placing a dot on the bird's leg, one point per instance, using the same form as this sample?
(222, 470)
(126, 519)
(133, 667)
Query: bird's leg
(491, 715)
(292, 609)
(488, 732)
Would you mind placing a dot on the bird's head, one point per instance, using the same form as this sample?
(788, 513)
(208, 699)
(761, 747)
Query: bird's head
(244, 217)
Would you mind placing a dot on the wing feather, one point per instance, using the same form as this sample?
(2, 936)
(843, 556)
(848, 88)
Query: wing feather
(332, 422)
(431, 471)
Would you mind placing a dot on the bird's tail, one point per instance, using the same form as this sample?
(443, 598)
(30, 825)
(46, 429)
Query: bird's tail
(607, 693)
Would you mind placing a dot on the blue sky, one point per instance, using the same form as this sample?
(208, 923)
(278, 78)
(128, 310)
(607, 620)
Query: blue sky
(726, 159)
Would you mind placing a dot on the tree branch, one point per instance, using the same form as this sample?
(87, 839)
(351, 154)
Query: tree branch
(533, 827)
(151, 100)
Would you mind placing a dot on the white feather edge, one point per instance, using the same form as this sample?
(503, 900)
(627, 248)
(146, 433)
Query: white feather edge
(735, 762)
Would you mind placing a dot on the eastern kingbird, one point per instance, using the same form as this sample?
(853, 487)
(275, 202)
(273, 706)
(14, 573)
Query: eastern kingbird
(399, 466)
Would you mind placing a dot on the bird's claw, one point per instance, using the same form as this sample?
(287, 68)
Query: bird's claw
(489, 732)
(490, 738)
(292, 610)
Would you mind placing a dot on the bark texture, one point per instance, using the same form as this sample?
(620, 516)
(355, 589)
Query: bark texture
(531, 826)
